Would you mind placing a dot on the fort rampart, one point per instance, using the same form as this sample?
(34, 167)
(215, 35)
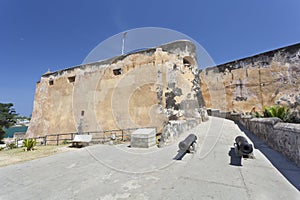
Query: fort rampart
(148, 88)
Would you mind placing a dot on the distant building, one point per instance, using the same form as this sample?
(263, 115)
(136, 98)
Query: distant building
(11, 131)
(22, 122)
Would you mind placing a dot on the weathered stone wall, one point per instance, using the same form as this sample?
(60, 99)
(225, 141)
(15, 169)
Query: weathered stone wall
(253, 83)
(258, 81)
(282, 137)
(142, 89)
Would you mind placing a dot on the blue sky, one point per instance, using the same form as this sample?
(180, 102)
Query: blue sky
(37, 35)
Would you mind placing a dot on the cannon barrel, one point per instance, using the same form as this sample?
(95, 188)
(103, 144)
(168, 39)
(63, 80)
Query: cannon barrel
(244, 148)
(187, 142)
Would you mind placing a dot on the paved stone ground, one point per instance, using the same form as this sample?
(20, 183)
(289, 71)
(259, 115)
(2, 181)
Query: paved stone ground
(118, 172)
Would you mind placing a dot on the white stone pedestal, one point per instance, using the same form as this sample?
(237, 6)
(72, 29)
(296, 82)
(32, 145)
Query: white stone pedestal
(143, 138)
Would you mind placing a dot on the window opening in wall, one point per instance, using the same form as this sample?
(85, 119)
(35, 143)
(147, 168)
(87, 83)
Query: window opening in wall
(117, 71)
(51, 82)
(82, 113)
(188, 61)
(71, 79)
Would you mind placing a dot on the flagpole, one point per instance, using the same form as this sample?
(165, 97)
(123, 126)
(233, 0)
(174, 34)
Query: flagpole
(123, 42)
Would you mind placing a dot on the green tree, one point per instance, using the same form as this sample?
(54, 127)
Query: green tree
(7, 117)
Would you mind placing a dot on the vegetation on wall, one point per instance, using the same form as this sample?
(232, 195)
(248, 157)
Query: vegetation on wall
(280, 112)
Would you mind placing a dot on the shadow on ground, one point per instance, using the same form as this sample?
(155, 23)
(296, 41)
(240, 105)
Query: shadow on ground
(287, 168)
(179, 155)
(234, 159)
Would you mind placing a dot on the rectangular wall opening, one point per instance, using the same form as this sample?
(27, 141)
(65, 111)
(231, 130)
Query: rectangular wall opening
(51, 82)
(117, 71)
(71, 79)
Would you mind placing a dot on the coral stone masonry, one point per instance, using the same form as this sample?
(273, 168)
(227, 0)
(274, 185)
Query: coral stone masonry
(254, 82)
(162, 87)
(140, 89)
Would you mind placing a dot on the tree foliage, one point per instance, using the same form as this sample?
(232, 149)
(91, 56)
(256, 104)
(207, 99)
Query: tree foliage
(7, 117)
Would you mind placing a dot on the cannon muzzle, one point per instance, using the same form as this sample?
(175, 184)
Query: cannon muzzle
(243, 147)
(187, 142)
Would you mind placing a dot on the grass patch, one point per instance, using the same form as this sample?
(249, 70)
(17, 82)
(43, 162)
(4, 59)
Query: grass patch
(17, 155)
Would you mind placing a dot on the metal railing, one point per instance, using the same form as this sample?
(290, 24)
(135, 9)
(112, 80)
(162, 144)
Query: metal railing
(117, 135)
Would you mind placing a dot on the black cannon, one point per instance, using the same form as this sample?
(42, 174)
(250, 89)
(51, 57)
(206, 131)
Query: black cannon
(242, 146)
(188, 142)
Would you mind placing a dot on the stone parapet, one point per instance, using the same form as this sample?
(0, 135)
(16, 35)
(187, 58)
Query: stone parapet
(282, 137)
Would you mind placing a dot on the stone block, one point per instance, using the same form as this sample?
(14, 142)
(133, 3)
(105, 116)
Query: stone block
(143, 138)
(215, 112)
(236, 117)
(224, 114)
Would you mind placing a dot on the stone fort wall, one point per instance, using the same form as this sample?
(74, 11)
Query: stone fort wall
(159, 85)
(255, 82)
(141, 89)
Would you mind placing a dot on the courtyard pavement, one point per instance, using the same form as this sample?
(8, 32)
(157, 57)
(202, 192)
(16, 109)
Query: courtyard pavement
(119, 172)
